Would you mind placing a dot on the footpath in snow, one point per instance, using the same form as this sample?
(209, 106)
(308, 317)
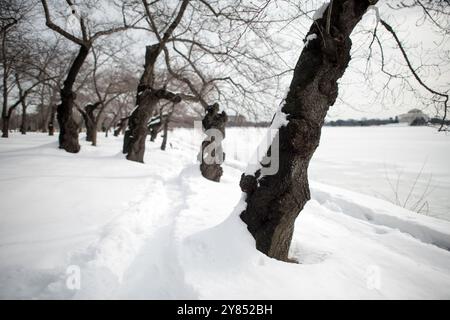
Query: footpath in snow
(160, 231)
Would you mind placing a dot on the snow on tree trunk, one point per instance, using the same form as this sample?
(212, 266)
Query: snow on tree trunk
(212, 155)
(274, 201)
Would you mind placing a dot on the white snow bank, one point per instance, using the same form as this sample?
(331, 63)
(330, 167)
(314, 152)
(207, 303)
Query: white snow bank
(379, 212)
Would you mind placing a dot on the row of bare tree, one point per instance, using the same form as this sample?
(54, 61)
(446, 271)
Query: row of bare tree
(79, 61)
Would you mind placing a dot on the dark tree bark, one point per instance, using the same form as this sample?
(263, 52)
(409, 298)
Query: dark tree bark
(212, 154)
(147, 95)
(165, 120)
(5, 119)
(68, 128)
(5, 126)
(274, 201)
(23, 124)
(134, 140)
(90, 122)
(165, 133)
(51, 122)
(146, 100)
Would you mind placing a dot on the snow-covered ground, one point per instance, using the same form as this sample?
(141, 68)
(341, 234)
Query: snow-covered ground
(159, 230)
(383, 161)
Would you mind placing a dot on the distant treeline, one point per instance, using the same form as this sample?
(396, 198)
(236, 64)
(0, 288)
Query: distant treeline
(361, 123)
(439, 121)
(189, 122)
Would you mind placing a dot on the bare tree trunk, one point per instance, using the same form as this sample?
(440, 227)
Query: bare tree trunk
(274, 201)
(23, 125)
(90, 130)
(68, 128)
(146, 101)
(94, 134)
(147, 95)
(51, 123)
(90, 122)
(165, 130)
(5, 127)
(5, 119)
(106, 128)
(212, 155)
(135, 136)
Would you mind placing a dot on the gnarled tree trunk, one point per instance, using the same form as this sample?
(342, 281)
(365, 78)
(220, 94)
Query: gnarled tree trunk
(90, 122)
(147, 95)
(68, 128)
(134, 140)
(212, 155)
(23, 124)
(274, 201)
(146, 101)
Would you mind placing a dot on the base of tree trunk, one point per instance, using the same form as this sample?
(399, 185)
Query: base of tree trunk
(51, 129)
(94, 138)
(89, 134)
(68, 136)
(165, 133)
(5, 127)
(211, 172)
(68, 128)
(135, 136)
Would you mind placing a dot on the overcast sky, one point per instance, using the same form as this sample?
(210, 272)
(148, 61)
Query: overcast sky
(425, 46)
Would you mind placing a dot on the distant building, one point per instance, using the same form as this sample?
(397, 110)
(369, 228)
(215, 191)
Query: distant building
(413, 115)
